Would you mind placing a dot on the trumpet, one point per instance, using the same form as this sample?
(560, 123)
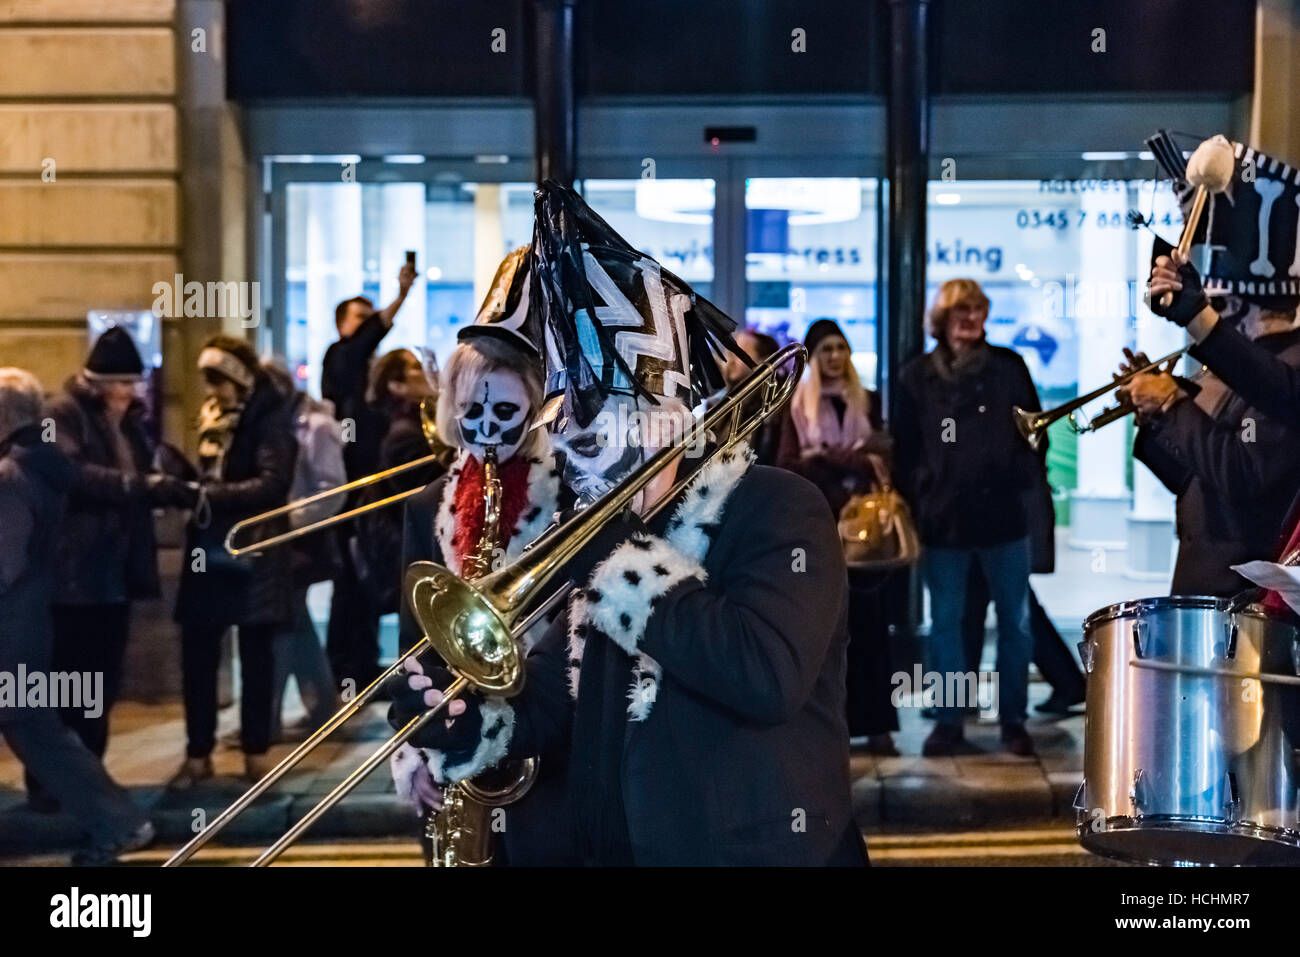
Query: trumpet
(1033, 425)
(475, 627)
(440, 454)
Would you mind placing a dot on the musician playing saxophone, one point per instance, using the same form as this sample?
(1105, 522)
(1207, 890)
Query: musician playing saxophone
(491, 390)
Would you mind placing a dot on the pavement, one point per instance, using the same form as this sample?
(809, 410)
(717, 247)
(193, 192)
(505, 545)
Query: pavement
(987, 791)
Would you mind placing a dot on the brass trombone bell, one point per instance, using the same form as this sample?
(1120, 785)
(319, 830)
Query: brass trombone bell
(475, 627)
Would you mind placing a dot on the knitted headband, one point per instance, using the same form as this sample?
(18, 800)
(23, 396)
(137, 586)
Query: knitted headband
(230, 366)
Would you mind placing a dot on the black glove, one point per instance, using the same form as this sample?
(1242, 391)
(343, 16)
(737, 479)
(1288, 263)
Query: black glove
(1188, 301)
(458, 741)
(167, 490)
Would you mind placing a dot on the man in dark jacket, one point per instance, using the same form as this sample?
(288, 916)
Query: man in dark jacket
(1231, 452)
(353, 631)
(34, 480)
(1235, 470)
(106, 556)
(697, 674)
(966, 470)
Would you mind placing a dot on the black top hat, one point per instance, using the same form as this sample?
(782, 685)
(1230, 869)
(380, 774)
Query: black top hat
(114, 357)
(1248, 232)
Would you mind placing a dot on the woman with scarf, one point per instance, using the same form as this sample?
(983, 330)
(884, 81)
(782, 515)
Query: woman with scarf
(246, 463)
(834, 437)
(966, 470)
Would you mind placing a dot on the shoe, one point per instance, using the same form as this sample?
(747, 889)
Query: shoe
(943, 741)
(1017, 741)
(882, 745)
(257, 766)
(193, 771)
(1060, 704)
(106, 854)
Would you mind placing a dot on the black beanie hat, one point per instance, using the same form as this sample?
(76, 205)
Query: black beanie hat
(818, 331)
(114, 356)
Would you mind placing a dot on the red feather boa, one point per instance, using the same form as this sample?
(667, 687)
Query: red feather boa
(468, 505)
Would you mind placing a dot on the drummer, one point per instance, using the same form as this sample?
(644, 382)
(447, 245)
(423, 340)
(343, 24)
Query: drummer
(1234, 467)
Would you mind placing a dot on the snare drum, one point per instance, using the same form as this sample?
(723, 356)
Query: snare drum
(1183, 767)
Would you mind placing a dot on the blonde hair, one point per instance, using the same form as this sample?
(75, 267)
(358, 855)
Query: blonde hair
(808, 394)
(476, 358)
(953, 293)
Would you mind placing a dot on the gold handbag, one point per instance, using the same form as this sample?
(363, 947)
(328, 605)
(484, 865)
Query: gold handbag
(876, 528)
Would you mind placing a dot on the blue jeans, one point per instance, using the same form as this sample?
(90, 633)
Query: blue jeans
(1006, 569)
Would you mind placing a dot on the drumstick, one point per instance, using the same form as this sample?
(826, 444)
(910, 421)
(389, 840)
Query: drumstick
(1213, 672)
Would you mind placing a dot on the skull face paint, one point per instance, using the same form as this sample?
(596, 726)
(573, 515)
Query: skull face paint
(495, 411)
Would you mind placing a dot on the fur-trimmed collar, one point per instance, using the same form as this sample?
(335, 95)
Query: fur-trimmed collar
(543, 501)
(679, 554)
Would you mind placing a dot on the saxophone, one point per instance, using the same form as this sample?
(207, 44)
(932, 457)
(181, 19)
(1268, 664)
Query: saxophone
(460, 835)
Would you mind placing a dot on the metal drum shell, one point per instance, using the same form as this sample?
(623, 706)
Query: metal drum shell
(1183, 768)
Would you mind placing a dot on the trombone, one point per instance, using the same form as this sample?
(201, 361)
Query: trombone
(441, 454)
(1033, 425)
(475, 627)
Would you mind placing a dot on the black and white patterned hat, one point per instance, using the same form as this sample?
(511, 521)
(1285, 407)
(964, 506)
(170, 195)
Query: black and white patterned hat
(1251, 250)
(504, 314)
(613, 319)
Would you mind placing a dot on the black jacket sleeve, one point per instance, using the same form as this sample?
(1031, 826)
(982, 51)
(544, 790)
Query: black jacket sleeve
(905, 424)
(419, 544)
(1237, 467)
(544, 710)
(1250, 370)
(19, 526)
(269, 487)
(755, 640)
(92, 482)
(1163, 460)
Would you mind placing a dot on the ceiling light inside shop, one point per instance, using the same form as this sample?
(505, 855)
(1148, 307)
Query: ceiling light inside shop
(947, 199)
(1101, 155)
(809, 201)
(433, 273)
(674, 200)
(492, 159)
(408, 158)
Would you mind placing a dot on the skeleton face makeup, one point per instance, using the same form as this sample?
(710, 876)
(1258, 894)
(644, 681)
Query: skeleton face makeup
(623, 435)
(495, 411)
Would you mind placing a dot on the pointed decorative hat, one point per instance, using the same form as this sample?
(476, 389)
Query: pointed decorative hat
(614, 320)
(1248, 231)
(505, 314)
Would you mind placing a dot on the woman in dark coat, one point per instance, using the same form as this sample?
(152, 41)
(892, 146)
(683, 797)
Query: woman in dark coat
(105, 555)
(833, 435)
(246, 462)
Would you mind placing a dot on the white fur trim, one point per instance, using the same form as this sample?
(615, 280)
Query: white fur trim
(704, 500)
(543, 502)
(498, 727)
(687, 543)
(625, 587)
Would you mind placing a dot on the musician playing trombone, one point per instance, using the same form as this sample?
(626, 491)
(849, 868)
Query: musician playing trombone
(1221, 446)
(696, 676)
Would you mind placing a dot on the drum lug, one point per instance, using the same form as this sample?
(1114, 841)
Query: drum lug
(1081, 796)
(1136, 793)
(1086, 654)
(1232, 805)
(1139, 638)
(1230, 650)
(1295, 656)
